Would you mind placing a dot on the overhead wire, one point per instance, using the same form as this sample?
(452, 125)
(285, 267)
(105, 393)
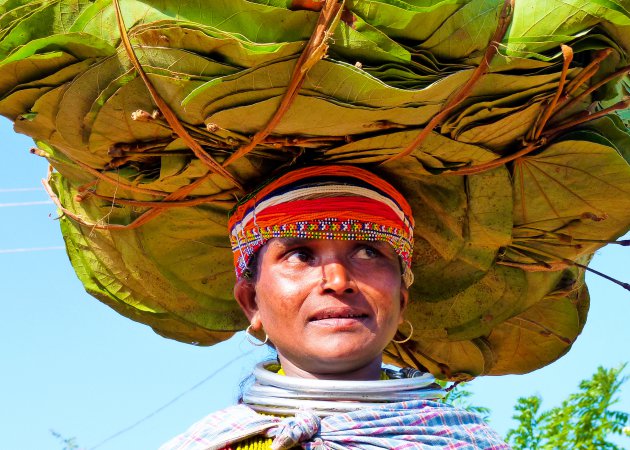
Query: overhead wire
(35, 203)
(32, 249)
(21, 204)
(170, 402)
(11, 190)
(26, 189)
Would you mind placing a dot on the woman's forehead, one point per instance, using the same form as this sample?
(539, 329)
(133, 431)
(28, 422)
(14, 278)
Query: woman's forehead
(287, 241)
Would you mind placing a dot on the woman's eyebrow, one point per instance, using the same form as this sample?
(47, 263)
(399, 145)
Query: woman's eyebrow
(290, 241)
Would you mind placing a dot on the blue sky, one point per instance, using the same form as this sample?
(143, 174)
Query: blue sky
(73, 365)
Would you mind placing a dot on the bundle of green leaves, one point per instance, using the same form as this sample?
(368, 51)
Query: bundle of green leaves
(521, 172)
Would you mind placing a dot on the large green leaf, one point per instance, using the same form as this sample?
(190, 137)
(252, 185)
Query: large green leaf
(566, 199)
(539, 335)
(541, 26)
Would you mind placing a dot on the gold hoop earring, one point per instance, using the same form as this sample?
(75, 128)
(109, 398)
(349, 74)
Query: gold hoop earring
(250, 336)
(408, 338)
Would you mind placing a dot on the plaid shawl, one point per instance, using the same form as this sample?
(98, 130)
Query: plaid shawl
(420, 424)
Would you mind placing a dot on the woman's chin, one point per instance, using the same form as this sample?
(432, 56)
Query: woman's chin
(336, 356)
(350, 338)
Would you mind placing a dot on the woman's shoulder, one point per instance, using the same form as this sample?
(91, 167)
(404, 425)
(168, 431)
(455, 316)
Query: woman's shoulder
(227, 426)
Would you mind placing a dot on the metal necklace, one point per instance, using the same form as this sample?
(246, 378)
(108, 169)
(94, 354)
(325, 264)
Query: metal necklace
(277, 394)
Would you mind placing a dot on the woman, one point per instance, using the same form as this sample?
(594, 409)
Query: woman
(323, 264)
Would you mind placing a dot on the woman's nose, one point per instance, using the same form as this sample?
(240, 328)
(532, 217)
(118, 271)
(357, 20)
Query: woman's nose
(336, 278)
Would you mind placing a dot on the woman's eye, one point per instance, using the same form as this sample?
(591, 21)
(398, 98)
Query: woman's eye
(367, 252)
(299, 255)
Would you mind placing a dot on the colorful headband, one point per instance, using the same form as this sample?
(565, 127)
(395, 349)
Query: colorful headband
(327, 202)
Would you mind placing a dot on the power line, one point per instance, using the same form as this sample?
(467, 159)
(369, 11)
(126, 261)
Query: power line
(169, 403)
(33, 189)
(10, 205)
(26, 250)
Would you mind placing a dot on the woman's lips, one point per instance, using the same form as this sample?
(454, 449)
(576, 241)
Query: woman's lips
(338, 317)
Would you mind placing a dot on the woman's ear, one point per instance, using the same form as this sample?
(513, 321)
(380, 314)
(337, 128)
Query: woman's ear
(245, 294)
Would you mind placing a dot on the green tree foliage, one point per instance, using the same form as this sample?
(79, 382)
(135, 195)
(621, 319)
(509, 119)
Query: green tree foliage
(528, 434)
(586, 420)
(460, 397)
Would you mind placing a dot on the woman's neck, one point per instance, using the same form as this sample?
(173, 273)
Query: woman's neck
(371, 371)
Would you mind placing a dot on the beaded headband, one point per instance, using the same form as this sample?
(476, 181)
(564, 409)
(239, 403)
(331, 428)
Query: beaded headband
(327, 202)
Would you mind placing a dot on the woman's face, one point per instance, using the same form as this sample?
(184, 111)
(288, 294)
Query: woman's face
(329, 307)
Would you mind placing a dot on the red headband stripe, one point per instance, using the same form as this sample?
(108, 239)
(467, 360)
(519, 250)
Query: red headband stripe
(343, 208)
